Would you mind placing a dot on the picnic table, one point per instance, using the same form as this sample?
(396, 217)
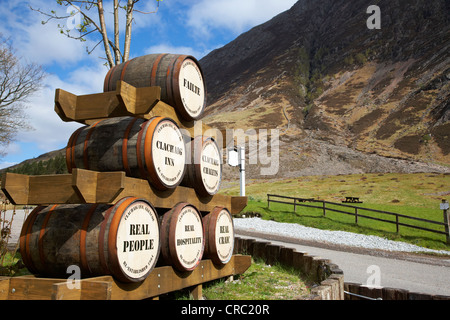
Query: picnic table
(352, 200)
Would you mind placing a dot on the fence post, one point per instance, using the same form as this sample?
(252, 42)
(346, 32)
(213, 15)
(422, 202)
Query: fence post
(396, 222)
(324, 208)
(268, 201)
(444, 207)
(356, 215)
(295, 205)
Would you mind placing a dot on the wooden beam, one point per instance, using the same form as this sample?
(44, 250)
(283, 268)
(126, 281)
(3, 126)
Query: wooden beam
(32, 288)
(165, 279)
(4, 288)
(238, 204)
(160, 281)
(137, 101)
(85, 186)
(125, 101)
(16, 187)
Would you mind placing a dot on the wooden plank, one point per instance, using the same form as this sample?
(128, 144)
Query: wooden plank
(85, 186)
(197, 292)
(43, 189)
(4, 288)
(137, 101)
(238, 204)
(65, 104)
(125, 101)
(61, 291)
(160, 281)
(96, 290)
(32, 288)
(165, 279)
(16, 187)
(122, 102)
(84, 182)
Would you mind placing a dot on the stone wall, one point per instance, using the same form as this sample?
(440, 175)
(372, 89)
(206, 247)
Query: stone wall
(361, 292)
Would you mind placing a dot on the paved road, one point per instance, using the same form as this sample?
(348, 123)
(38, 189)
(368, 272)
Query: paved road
(17, 221)
(409, 272)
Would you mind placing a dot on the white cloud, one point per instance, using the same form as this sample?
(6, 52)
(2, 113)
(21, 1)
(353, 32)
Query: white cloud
(235, 16)
(167, 48)
(50, 132)
(7, 164)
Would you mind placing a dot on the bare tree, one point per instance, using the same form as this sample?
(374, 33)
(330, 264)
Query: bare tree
(17, 82)
(91, 23)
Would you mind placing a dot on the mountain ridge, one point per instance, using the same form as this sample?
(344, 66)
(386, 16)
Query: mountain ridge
(319, 75)
(344, 98)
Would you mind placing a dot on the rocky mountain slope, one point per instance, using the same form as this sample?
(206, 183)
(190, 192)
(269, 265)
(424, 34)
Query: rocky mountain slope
(345, 98)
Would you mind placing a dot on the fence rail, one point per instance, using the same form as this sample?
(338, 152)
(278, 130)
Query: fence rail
(295, 201)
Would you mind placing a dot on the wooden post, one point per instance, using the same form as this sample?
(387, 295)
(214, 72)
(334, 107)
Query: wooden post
(268, 201)
(444, 207)
(356, 215)
(396, 223)
(324, 209)
(295, 205)
(196, 292)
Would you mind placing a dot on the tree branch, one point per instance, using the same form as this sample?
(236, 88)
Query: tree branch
(89, 25)
(129, 15)
(116, 32)
(101, 16)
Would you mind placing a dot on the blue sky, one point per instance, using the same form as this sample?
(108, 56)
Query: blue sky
(193, 27)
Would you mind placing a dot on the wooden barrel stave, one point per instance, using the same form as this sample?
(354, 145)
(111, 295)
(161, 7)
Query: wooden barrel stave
(179, 76)
(91, 236)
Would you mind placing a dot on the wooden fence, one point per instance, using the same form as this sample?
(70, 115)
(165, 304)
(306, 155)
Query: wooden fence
(357, 212)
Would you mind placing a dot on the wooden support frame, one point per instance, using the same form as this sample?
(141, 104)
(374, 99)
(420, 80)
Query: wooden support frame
(160, 281)
(125, 101)
(86, 186)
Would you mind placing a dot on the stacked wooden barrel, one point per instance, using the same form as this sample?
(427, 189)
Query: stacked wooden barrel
(127, 239)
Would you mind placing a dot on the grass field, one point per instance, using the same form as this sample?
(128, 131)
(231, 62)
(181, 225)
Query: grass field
(417, 195)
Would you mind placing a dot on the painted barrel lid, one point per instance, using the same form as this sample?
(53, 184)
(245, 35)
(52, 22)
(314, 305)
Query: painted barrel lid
(182, 243)
(219, 234)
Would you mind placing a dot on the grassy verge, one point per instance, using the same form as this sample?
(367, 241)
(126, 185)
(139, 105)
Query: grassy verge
(11, 265)
(259, 282)
(415, 195)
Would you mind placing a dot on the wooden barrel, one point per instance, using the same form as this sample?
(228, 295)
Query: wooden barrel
(179, 76)
(182, 238)
(152, 150)
(122, 240)
(204, 166)
(219, 235)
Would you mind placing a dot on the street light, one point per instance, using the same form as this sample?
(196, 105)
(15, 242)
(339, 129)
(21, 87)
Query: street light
(236, 157)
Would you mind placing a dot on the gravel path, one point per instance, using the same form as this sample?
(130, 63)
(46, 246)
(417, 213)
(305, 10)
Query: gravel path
(335, 237)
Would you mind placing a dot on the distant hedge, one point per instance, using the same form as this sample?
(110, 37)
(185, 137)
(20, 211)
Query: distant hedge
(56, 165)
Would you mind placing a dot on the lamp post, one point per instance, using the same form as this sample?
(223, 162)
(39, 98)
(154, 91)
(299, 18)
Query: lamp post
(236, 157)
